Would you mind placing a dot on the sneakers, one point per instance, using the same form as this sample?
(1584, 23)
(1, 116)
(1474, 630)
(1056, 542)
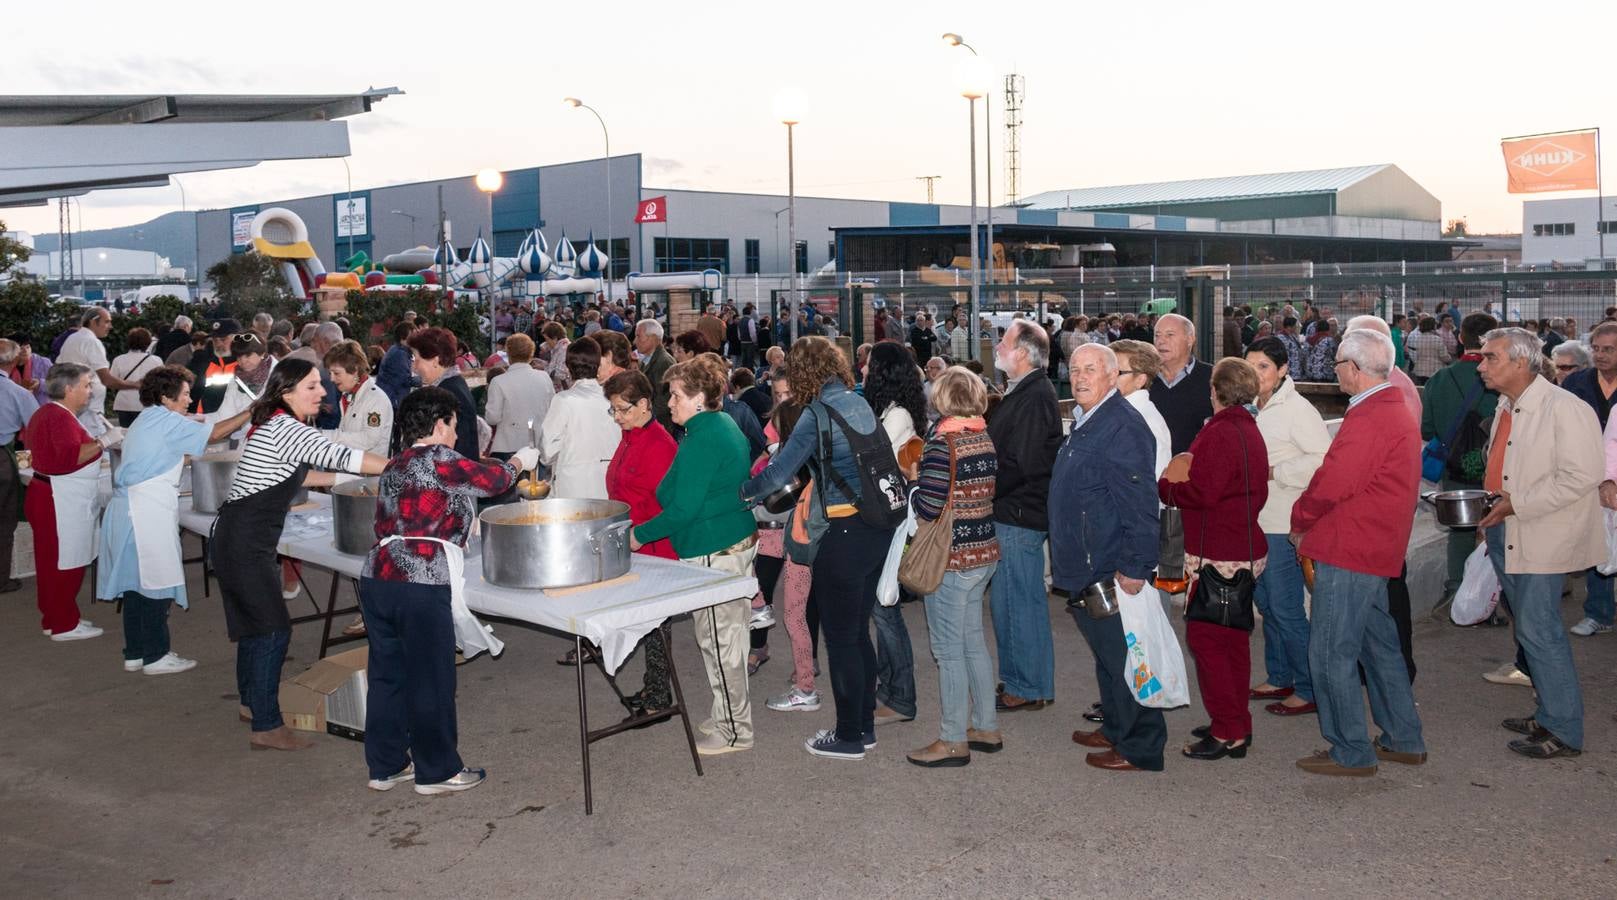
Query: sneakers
(1508, 674)
(1543, 745)
(81, 632)
(133, 665)
(1589, 628)
(170, 664)
(465, 780)
(718, 745)
(762, 617)
(1525, 725)
(825, 743)
(795, 700)
(392, 781)
(869, 740)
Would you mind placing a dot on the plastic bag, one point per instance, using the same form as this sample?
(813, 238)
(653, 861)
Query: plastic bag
(1609, 567)
(887, 589)
(1154, 670)
(1479, 589)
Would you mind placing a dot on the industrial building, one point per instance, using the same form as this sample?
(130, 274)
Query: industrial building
(1567, 233)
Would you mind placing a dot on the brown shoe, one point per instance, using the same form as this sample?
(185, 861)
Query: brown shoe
(1110, 760)
(1408, 759)
(1094, 739)
(985, 741)
(1006, 701)
(941, 754)
(282, 738)
(886, 715)
(244, 714)
(1320, 763)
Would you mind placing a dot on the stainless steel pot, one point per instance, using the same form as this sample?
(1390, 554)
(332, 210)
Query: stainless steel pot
(1460, 509)
(211, 476)
(555, 543)
(353, 512)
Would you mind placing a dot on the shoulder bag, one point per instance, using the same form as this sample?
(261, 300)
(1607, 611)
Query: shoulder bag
(1227, 601)
(1435, 457)
(927, 559)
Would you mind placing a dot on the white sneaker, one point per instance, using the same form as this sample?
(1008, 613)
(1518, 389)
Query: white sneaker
(762, 617)
(133, 665)
(464, 781)
(795, 700)
(1508, 674)
(1589, 627)
(170, 664)
(83, 631)
(82, 621)
(390, 782)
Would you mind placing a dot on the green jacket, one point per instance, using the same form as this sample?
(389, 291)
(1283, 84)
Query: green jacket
(1445, 391)
(701, 494)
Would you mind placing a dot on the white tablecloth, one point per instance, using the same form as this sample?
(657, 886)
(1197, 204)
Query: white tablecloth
(615, 617)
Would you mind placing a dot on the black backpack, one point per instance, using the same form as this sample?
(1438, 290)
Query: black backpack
(881, 498)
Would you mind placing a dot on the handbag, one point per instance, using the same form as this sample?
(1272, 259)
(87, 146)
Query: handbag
(1227, 601)
(1171, 576)
(1434, 457)
(927, 559)
(806, 526)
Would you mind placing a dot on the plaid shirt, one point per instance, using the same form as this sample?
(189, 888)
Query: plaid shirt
(429, 491)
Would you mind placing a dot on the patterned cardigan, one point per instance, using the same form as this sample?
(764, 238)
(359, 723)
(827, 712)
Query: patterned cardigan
(976, 466)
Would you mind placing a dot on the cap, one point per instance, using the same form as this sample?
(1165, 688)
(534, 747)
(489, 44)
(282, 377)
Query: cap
(224, 328)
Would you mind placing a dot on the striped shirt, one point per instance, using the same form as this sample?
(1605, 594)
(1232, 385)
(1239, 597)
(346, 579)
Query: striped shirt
(275, 449)
(976, 468)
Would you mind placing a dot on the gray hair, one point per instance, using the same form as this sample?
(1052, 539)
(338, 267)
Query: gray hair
(1033, 340)
(329, 332)
(1108, 357)
(9, 351)
(282, 328)
(63, 376)
(307, 334)
(649, 326)
(1578, 353)
(1190, 327)
(1521, 345)
(91, 315)
(1369, 323)
(264, 319)
(182, 323)
(1557, 323)
(1371, 351)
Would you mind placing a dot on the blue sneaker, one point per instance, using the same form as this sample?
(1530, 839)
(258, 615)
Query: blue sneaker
(825, 743)
(870, 740)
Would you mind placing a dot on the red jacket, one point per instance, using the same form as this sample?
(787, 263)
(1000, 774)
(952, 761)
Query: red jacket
(1221, 519)
(638, 466)
(1359, 508)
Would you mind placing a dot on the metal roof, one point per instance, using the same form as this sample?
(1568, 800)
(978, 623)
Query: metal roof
(1235, 187)
(138, 109)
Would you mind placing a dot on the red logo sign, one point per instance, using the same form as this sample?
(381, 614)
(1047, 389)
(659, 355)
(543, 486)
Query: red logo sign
(652, 210)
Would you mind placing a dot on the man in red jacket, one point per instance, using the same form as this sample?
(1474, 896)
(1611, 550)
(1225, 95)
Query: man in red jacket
(1354, 522)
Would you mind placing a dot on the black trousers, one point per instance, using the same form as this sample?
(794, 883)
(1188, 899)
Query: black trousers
(1398, 608)
(1138, 732)
(846, 570)
(410, 694)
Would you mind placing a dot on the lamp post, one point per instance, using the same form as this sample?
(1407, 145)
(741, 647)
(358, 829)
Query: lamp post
(789, 106)
(973, 80)
(400, 212)
(489, 181)
(955, 40)
(576, 103)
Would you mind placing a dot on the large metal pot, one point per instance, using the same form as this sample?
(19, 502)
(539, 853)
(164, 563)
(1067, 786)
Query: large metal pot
(211, 476)
(353, 512)
(1460, 509)
(555, 543)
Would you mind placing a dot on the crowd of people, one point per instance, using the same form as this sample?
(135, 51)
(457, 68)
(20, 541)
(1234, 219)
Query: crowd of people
(739, 448)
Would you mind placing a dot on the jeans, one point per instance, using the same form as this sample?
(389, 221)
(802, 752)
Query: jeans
(145, 627)
(258, 676)
(1137, 732)
(1279, 597)
(1535, 607)
(895, 661)
(1599, 605)
(954, 618)
(846, 570)
(1352, 627)
(1021, 608)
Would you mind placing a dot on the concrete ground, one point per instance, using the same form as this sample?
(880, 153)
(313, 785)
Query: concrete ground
(121, 785)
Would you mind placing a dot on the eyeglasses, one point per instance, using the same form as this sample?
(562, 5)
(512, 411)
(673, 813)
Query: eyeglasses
(1122, 372)
(1343, 362)
(1563, 367)
(618, 412)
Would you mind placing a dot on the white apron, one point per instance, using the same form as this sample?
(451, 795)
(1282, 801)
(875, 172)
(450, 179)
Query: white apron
(471, 636)
(154, 510)
(73, 497)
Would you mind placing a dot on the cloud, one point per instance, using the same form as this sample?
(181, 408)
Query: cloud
(132, 74)
(659, 165)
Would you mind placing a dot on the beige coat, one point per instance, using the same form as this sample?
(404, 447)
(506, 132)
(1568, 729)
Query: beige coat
(1553, 466)
(1297, 440)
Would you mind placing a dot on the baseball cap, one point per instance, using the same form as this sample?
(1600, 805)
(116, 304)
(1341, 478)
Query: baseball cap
(224, 328)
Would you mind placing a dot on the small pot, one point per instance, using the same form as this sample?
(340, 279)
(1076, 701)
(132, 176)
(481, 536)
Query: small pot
(1460, 509)
(783, 499)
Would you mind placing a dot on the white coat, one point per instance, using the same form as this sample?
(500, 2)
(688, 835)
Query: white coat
(578, 441)
(522, 395)
(367, 424)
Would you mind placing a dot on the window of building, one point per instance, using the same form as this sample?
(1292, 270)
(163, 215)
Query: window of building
(754, 264)
(1607, 226)
(1555, 229)
(802, 257)
(692, 254)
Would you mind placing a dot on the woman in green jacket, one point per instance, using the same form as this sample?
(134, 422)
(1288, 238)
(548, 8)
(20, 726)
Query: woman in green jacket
(704, 518)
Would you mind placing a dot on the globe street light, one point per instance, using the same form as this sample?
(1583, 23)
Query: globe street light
(575, 103)
(490, 181)
(972, 77)
(790, 104)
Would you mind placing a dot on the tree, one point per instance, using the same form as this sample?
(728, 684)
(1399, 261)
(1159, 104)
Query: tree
(248, 283)
(1454, 229)
(12, 253)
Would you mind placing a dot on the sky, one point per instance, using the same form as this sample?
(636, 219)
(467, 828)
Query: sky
(1115, 94)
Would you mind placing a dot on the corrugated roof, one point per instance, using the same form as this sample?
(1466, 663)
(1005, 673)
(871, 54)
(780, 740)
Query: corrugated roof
(1279, 184)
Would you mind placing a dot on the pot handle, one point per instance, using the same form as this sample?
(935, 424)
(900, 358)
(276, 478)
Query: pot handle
(597, 544)
(1428, 495)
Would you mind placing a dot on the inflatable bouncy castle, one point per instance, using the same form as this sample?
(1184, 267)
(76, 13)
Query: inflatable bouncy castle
(281, 235)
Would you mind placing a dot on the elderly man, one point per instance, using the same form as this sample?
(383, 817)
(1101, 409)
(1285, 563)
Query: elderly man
(655, 363)
(326, 335)
(17, 406)
(211, 366)
(1597, 387)
(1354, 521)
(1546, 463)
(1107, 531)
(1183, 390)
(174, 338)
(1026, 430)
(84, 347)
(262, 323)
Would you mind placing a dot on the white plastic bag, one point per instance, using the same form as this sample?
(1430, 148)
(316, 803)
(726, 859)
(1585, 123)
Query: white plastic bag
(887, 590)
(1479, 589)
(1609, 567)
(1154, 671)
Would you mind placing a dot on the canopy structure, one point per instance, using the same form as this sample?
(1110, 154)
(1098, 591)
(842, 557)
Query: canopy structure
(58, 146)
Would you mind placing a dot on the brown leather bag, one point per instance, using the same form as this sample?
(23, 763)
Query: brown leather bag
(927, 559)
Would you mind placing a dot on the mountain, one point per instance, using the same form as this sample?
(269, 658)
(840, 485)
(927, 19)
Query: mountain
(173, 235)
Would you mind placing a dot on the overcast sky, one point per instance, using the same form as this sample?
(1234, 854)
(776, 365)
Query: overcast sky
(1116, 93)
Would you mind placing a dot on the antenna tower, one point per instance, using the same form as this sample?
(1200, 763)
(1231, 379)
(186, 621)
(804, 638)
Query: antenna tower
(1015, 92)
(928, 179)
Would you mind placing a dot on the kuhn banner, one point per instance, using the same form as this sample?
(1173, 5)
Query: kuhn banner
(1551, 162)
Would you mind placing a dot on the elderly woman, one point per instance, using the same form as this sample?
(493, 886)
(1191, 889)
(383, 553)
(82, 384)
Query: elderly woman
(638, 466)
(1426, 349)
(705, 520)
(132, 365)
(518, 400)
(554, 351)
(1569, 357)
(275, 461)
(426, 503)
(851, 552)
(61, 499)
(957, 471)
(1296, 439)
(690, 345)
(579, 436)
(432, 358)
(367, 413)
(616, 354)
(1220, 484)
(140, 538)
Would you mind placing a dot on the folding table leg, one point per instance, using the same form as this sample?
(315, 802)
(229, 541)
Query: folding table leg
(331, 606)
(679, 695)
(206, 590)
(584, 724)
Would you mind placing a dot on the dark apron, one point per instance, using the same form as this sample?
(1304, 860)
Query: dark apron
(241, 551)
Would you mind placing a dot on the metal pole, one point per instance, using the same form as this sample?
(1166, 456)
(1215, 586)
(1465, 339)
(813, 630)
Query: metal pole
(350, 175)
(791, 230)
(1600, 204)
(988, 181)
(972, 337)
(492, 337)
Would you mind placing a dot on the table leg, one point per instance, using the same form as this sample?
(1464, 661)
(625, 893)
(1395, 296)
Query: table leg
(206, 591)
(583, 724)
(679, 695)
(331, 605)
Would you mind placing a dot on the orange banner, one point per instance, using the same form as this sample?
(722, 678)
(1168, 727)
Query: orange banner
(1551, 162)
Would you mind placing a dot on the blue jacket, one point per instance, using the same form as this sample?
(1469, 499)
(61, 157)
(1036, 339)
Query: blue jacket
(393, 375)
(1585, 384)
(1103, 499)
(804, 444)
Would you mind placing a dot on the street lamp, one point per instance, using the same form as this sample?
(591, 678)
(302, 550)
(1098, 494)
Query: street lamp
(972, 78)
(490, 181)
(790, 104)
(955, 40)
(575, 103)
(400, 212)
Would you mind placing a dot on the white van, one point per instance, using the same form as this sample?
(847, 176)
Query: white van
(139, 296)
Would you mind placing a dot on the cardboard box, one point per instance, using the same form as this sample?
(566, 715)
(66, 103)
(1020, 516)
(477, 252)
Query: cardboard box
(329, 696)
